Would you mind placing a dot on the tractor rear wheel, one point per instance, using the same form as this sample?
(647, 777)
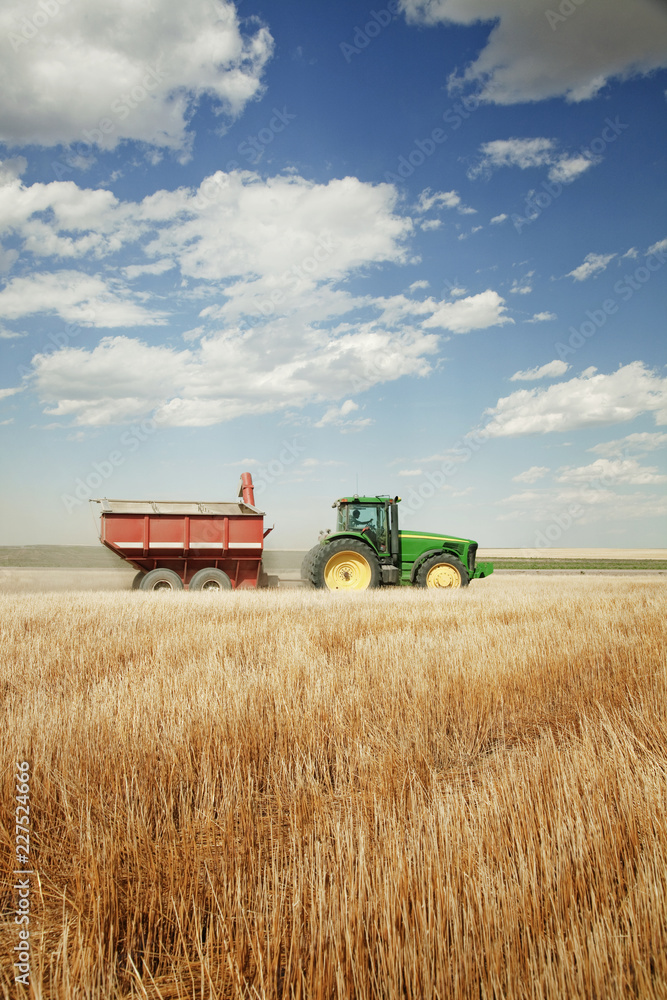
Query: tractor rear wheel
(307, 563)
(161, 579)
(442, 571)
(210, 579)
(345, 564)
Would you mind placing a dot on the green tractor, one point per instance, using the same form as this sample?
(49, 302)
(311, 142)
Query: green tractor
(367, 550)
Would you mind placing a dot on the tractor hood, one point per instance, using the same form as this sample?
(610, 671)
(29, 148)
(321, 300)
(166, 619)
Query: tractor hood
(426, 535)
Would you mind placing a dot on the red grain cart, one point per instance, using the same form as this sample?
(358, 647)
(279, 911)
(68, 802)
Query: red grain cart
(201, 546)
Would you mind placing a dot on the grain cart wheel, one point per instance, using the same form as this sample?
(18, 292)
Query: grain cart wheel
(210, 579)
(442, 571)
(346, 564)
(136, 583)
(161, 579)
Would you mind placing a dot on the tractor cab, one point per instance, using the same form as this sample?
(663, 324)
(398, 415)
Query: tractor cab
(367, 517)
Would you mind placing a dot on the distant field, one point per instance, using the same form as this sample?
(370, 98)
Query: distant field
(315, 795)
(289, 560)
(61, 556)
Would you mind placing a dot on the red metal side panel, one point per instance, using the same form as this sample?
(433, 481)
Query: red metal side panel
(247, 534)
(206, 535)
(124, 533)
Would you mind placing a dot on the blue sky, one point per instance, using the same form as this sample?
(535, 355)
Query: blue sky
(415, 248)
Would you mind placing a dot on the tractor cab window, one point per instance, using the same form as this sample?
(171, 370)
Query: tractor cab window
(368, 519)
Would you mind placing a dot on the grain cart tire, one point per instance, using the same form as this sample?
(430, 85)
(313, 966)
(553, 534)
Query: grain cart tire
(307, 563)
(136, 583)
(210, 579)
(345, 564)
(161, 579)
(442, 571)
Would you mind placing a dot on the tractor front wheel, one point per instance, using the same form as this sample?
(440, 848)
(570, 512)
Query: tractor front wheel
(442, 571)
(345, 564)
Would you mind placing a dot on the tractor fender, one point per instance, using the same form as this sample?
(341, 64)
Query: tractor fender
(427, 555)
(352, 534)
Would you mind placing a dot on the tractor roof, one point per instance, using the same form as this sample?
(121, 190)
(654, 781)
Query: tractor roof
(376, 499)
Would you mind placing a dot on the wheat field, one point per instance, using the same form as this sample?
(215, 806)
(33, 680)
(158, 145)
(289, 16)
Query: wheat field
(304, 795)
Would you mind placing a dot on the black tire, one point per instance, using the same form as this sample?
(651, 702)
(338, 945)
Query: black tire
(330, 562)
(307, 563)
(161, 579)
(136, 583)
(451, 567)
(210, 579)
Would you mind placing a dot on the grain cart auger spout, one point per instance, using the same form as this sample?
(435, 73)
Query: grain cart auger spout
(193, 544)
(367, 549)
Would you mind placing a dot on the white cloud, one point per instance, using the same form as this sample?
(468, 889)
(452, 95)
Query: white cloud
(266, 262)
(410, 472)
(632, 253)
(637, 443)
(522, 286)
(659, 247)
(568, 168)
(75, 298)
(619, 471)
(5, 393)
(531, 475)
(594, 263)
(497, 219)
(521, 153)
(336, 416)
(541, 317)
(590, 502)
(551, 370)
(229, 374)
(137, 270)
(429, 200)
(6, 334)
(437, 199)
(530, 153)
(99, 74)
(427, 224)
(475, 312)
(312, 463)
(589, 400)
(530, 56)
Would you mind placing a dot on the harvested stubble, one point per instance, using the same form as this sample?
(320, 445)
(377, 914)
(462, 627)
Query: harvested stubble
(394, 794)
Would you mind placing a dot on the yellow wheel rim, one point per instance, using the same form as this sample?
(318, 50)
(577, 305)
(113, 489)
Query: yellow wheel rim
(443, 575)
(347, 571)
